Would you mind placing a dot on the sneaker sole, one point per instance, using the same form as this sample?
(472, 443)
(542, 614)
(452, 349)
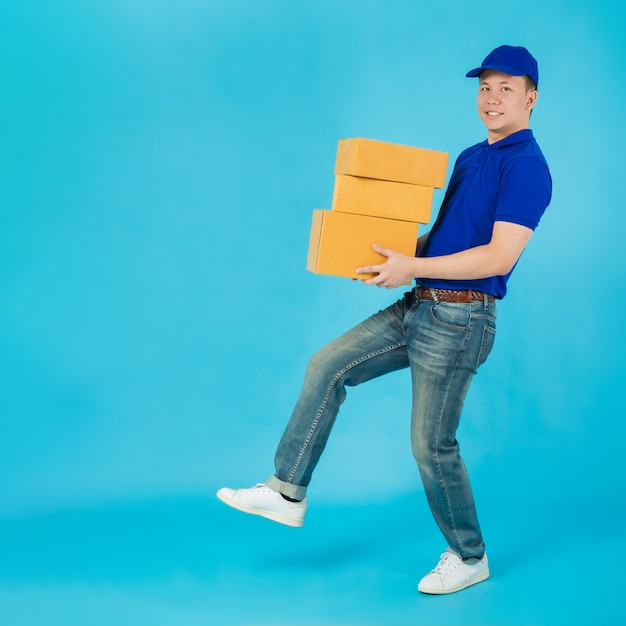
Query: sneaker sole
(464, 585)
(271, 515)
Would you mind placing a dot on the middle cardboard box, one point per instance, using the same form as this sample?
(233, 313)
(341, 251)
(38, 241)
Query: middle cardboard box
(382, 198)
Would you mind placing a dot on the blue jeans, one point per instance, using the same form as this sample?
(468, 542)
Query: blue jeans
(443, 344)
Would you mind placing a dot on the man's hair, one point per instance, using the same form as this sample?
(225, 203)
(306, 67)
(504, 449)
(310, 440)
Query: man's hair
(530, 84)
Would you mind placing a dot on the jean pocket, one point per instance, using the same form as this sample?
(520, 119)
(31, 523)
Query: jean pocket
(451, 315)
(486, 344)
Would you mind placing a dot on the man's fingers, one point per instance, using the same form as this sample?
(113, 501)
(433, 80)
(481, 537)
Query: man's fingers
(369, 269)
(380, 280)
(375, 269)
(384, 251)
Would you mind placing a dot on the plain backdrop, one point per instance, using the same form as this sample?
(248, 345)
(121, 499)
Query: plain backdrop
(159, 165)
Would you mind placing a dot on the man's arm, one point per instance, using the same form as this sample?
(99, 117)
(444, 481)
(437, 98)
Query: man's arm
(495, 258)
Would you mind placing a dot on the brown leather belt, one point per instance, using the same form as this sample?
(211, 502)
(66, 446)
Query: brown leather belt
(451, 295)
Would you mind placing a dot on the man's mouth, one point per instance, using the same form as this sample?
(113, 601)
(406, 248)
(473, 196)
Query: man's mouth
(493, 113)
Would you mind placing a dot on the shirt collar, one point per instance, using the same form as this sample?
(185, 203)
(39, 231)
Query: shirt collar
(517, 137)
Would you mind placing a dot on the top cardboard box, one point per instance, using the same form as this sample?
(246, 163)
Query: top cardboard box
(370, 158)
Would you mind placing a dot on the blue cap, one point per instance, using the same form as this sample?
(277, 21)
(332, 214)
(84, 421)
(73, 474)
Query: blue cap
(512, 60)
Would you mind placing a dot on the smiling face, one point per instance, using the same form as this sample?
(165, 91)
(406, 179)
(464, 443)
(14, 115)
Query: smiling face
(504, 103)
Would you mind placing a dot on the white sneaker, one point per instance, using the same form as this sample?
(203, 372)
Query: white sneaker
(263, 501)
(453, 574)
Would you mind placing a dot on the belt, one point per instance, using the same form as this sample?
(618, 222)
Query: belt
(452, 295)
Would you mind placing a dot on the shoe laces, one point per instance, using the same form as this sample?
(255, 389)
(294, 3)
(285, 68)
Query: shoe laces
(447, 564)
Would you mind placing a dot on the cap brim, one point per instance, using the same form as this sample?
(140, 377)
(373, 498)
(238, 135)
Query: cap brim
(498, 68)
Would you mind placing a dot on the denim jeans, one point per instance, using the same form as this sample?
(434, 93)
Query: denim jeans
(443, 344)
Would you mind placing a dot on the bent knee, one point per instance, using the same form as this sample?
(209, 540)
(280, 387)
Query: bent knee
(423, 453)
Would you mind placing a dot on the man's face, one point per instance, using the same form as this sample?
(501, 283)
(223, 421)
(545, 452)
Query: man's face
(504, 103)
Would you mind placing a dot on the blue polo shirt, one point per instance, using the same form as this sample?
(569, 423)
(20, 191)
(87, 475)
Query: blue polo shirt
(506, 181)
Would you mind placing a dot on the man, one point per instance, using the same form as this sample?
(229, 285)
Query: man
(443, 329)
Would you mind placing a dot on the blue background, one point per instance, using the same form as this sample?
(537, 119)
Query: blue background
(159, 165)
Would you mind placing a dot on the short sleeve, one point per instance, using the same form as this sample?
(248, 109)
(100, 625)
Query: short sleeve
(525, 192)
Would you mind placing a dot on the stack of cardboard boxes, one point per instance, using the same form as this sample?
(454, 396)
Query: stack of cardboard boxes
(383, 191)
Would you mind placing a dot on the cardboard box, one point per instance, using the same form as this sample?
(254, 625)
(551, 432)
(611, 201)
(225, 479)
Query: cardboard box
(369, 158)
(382, 198)
(341, 242)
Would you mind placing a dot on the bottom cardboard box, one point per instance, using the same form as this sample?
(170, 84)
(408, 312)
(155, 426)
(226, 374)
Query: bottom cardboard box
(341, 242)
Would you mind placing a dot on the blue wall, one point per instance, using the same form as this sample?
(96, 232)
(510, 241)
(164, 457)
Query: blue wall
(159, 165)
